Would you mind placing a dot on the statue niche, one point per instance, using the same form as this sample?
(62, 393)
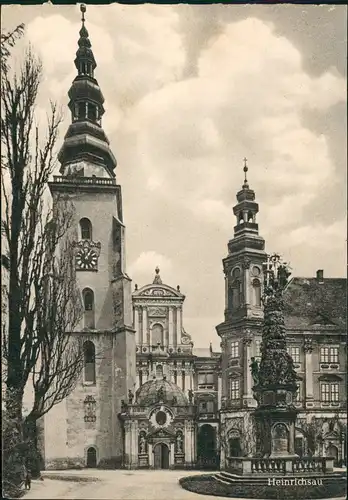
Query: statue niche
(280, 439)
(179, 443)
(142, 443)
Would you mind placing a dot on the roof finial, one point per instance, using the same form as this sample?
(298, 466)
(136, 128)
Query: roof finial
(245, 169)
(157, 280)
(83, 10)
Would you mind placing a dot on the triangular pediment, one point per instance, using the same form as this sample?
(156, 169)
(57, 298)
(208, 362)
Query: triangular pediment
(331, 435)
(322, 319)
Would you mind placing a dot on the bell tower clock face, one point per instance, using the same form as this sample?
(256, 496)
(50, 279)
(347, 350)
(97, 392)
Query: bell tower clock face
(86, 260)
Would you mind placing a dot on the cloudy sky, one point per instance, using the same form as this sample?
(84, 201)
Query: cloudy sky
(191, 90)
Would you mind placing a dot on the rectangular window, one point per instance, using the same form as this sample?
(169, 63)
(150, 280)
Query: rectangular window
(325, 392)
(324, 355)
(203, 407)
(234, 350)
(330, 392)
(257, 348)
(294, 353)
(334, 392)
(333, 355)
(206, 379)
(210, 407)
(234, 389)
(329, 355)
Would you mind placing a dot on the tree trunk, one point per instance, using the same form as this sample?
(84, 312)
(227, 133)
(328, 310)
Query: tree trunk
(33, 459)
(13, 449)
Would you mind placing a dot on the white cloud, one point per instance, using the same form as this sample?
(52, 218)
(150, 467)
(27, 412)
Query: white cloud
(248, 100)
(146, 263)
(180, 142)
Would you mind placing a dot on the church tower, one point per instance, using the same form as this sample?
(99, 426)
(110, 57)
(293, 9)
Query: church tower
(241, 330)
(86, 430)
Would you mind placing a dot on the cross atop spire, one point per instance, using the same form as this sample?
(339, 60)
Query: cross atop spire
(83, 10)
(245, 169)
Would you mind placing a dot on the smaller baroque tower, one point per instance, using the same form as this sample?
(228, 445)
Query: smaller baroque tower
(163, 346)
(240, 332)
(84, 430)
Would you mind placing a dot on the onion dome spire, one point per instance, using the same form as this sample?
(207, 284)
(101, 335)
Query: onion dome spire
(86, 151)
(84, 62)
(246, 208)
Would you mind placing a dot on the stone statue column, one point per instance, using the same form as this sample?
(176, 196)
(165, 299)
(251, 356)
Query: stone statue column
(136, 325)
(219, 390)
(172, 455)
(145, 335)
(308, 348)
(137, 379)
(127, 444)
(170, 326)
(246, 362)
(188, 384)
(150, 455)
(179, 323)
(134, 461)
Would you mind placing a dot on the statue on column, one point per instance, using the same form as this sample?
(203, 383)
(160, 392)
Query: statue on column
(254, 365)
(130, 397)
(190, 396)
(142, 443)
(179, 442)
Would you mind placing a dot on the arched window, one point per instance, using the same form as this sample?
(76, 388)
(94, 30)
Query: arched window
(81, 110)
(88, 305)
(92, 112)
(159, 371)
(86, 229)
(157, 334)
(89, 362)
(250, 217)
(240, 218)
(234, 443)
(235, 293)
(256, 292)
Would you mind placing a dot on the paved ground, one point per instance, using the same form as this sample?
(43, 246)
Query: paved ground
(115, 485)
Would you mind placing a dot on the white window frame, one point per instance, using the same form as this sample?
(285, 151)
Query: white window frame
(234, 350)
(295, 353)
(331, 392)
(234, 389)
(329, 354)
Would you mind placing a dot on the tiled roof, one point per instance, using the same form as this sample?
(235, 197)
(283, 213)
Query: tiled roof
(309, 303)
(202, 352)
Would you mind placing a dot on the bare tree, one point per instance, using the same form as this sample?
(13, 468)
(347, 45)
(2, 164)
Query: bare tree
(312, 431)
(58, 310)
(42, 299)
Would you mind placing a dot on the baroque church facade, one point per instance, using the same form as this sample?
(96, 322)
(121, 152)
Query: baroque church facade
(147, 397)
